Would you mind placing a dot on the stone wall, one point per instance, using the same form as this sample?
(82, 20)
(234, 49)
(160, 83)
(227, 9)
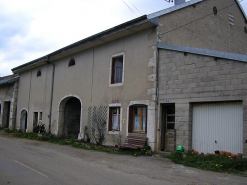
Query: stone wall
(8, 93)
(197, 26)
(184, 79)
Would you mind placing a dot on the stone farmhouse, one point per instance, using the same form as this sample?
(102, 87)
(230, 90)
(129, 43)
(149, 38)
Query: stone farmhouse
(8, 101)
(177, 77)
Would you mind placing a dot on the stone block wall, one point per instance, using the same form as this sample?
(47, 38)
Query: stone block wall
(185, 79)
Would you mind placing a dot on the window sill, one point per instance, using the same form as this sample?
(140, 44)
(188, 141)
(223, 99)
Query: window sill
(114, 132)
(116, 85)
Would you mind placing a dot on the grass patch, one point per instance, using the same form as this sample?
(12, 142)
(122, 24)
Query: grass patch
(211, 163)
(146, 151)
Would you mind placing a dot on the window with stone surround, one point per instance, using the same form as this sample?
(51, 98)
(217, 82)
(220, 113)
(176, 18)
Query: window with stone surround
(116, 76)
(138, 119)
(114, 119)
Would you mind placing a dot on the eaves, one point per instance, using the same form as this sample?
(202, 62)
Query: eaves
(122, 30)
(205, 52)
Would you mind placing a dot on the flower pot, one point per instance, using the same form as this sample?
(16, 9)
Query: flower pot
(239, 155)
(209, 154)
(195, 153)
(222, 152)
(202, 154)
(228, 154)
(233, 156)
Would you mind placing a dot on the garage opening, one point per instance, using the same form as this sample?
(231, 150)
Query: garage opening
(23, 120)
(217, 126)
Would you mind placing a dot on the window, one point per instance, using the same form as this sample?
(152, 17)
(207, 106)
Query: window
(114, 119)
(116, 70)
(40, 115)
(170, 118)
(71, 62)
(39, 73)
(138, 119)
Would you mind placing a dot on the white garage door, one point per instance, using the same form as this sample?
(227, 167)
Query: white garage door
(218, 126)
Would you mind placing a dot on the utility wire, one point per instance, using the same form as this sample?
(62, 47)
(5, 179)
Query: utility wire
(129, 8)
(197, 19)
(135, 7)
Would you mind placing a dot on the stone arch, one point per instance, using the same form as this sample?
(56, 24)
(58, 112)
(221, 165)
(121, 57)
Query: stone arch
(69, 127)
(23, 120)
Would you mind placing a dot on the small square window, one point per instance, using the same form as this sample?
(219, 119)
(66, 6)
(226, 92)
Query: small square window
(39, 73)
(117, 70)
(114, 119)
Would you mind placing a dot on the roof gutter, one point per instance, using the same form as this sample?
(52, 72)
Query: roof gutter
(206, 52)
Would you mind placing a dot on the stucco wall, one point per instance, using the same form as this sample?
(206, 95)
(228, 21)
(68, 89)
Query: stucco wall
(88, 80)
(199, 27)
(196, 78)
(34, 94)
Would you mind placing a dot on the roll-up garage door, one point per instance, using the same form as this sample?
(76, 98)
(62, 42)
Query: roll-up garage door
(218, 126)
(72, 118)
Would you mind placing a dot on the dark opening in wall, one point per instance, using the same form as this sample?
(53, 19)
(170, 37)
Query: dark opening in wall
(39, 73)
(71, 62)
(245, 29)
(215, 10)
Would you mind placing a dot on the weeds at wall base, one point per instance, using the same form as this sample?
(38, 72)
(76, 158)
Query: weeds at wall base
(146, 151)
(210, 163)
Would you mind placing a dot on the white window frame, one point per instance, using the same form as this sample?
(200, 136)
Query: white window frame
(110, 70)
(112, 105)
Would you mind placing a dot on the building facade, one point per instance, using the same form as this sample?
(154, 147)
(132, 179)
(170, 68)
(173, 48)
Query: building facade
(154, 76)
(8, 101)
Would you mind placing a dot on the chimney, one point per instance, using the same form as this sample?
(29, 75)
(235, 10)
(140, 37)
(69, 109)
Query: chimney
(178, 2)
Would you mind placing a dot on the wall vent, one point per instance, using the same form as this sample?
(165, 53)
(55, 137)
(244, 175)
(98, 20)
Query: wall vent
(178, 2)
(231, 19)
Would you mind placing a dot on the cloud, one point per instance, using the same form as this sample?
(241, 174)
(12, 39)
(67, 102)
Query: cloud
(31, 29)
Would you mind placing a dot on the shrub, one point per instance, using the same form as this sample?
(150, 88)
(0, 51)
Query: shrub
(176, 157)
(213, 163)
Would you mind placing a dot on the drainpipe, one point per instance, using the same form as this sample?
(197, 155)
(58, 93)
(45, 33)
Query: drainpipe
(52, 86)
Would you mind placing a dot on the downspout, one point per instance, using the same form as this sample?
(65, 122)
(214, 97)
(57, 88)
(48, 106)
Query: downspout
(52, 87)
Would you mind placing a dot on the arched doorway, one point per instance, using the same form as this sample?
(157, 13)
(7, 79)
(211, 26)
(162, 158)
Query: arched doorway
(69, 119)
(23, 120)
(72, 118)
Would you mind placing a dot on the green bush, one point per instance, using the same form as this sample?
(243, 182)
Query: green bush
(176, 157)
(214, 163)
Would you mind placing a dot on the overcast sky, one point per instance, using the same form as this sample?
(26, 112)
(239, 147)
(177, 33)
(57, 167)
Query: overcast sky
(30, 29)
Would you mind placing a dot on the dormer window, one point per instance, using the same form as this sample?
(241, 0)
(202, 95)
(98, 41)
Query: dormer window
(71, 62)
(39, 73)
